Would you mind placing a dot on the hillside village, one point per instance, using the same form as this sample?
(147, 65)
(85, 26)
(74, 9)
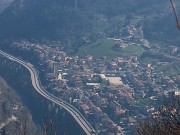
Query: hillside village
(113, 94)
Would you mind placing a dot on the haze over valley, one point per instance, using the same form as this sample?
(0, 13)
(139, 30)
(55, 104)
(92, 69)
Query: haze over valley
(94, 67)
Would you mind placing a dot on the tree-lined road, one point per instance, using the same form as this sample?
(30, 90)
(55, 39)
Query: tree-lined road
(85, 125)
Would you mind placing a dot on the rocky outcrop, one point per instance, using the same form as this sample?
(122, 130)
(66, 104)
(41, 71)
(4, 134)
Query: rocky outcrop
(14, 116)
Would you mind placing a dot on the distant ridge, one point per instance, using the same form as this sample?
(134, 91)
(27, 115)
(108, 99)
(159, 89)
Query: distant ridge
(69, 20)
(4, 4)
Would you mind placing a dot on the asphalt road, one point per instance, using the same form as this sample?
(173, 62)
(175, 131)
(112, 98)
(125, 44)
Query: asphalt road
(85, 125)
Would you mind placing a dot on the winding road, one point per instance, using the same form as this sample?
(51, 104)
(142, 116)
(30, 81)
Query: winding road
(85, 125)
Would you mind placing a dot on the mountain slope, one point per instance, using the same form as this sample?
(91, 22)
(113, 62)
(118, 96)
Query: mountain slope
(69, 20)
(4, 4)
(12, 112)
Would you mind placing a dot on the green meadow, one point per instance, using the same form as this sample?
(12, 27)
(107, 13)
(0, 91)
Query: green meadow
(105, 48)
